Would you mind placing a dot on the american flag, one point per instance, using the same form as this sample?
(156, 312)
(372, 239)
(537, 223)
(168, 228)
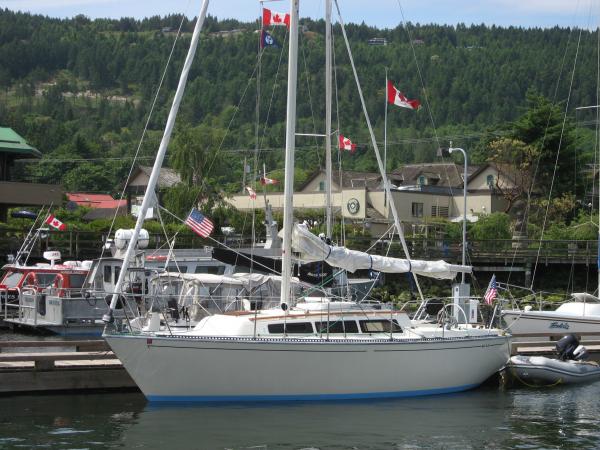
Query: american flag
(492, 291)
(199, 224)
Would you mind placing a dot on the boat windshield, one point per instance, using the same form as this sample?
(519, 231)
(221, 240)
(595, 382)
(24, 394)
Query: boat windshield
(45, 279)
(76, 280)
(12, 279)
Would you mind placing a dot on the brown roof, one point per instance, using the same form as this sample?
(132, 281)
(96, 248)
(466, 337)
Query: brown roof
(438, 174)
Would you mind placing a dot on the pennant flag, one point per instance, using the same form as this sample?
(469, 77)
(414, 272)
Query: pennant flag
(266, 40)
(395, 97)
(492, 291)
(251, 192)
(199, 224)
(275, 18)
(264, 181)
(346, 144)
(55, 223)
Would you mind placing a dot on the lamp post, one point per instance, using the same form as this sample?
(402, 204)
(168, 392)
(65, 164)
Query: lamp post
(464, 233)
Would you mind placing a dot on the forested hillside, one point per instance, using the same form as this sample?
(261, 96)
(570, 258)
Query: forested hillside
(81, 91)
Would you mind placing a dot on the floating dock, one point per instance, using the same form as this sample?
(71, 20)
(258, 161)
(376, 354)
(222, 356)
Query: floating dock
(60, 366)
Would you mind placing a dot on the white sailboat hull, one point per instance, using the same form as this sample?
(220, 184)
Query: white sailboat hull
(206, 369)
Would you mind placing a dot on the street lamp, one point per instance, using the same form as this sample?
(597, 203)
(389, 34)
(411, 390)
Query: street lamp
(446, 152)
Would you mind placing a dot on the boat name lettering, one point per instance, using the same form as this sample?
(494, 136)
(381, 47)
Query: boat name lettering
(562, 325)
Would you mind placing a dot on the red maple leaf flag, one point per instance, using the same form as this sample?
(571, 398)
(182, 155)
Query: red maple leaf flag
(346, 144)
(264, 181)
(55, 223)
(275, 18)
(395, 97)
(251, 192)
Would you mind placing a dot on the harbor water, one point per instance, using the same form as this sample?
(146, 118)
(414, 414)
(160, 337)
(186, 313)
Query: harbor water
(487, 417)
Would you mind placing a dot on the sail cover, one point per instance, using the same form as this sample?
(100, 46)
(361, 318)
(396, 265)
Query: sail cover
(312, 248)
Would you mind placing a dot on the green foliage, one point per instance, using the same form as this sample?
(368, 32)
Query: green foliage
(491, 226)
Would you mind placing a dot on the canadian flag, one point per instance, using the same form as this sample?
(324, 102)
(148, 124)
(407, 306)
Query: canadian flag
(265, 181)
(275, 18)
(251, 192)
(55, 223)
(396, 97)
(346, 144)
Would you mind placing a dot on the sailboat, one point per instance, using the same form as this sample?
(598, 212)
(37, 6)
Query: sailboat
(312, 349)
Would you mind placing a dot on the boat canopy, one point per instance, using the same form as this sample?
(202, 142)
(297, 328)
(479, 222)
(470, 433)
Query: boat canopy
(312, 248)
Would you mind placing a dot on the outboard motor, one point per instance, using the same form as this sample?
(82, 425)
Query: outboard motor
(568, 348)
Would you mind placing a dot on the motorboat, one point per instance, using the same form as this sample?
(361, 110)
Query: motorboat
(571, 366)
(581, 314)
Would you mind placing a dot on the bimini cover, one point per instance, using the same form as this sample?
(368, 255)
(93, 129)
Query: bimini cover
(312, 248)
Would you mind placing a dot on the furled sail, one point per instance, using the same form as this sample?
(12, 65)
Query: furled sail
(312, 248)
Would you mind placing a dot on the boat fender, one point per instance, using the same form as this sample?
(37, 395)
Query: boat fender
(565, 347)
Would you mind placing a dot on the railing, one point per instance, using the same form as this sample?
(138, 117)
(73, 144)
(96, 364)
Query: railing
(88, 244)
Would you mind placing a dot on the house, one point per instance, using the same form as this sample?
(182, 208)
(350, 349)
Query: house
(12, 193)
(103, 205)
(138, 182)
(421, 192)
(377, 41)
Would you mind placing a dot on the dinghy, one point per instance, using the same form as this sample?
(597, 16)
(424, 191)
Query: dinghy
(571, 366)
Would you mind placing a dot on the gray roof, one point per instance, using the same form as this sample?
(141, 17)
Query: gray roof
(437, 174)
(166, 178)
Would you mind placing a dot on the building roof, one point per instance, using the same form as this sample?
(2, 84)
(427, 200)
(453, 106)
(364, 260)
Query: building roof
(95, 200)
(11, 142)
(105, 213)
(166, 178)
(437, 174)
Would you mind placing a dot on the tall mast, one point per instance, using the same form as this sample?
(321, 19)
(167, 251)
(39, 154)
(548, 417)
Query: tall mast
(290, 141)
(385, 139)
(162, 150)
(328, 71)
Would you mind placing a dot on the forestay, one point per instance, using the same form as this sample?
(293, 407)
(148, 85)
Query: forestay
(312, 248)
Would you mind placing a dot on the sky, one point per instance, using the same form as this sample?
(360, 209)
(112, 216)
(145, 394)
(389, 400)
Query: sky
(381, 13)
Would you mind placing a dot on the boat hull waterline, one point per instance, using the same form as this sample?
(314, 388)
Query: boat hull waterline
(205, 369)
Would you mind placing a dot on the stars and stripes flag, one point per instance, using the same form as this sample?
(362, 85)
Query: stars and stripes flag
(264, 181)
(199, 224)
(275, 18)
(55, 223)
(346, 144)
(492, 291)
(251, 192)
(395, 97)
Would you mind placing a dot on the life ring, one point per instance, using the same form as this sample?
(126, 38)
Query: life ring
(58, 284)
(30, 281)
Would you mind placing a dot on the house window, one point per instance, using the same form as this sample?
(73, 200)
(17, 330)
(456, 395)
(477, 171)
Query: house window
(490, 180)
(422, 180)
(417, 209)
(321, 185)
(439, 211)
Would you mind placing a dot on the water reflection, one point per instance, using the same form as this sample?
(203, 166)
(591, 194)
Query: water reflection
(486, 418)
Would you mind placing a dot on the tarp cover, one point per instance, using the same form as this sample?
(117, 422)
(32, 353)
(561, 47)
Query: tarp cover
(312, 248)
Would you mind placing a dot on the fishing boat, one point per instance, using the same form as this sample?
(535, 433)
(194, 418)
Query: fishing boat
(571, 366)
(305, 348)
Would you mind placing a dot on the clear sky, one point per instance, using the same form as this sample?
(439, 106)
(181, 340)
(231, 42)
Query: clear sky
(382, 13)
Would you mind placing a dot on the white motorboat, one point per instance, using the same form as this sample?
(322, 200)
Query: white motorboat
(312, 349)
(571, 367)
(579, 315)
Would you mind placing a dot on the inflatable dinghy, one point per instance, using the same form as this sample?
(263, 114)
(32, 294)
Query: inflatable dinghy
(570, 368)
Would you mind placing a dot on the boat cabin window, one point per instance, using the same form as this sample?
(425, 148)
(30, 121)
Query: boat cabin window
(175, 268)
(379, 326)
(117, 272)
(12, 279)
(76, 280)
(45, 279)
(107, 274)
(291, 327)
(337, 327)
(215, 270)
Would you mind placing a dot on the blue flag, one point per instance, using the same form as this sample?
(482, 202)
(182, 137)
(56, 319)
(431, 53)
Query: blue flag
(266, 40)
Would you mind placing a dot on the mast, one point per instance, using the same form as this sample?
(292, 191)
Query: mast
(385, 138)
(162, 150)
(290, 137)
(328, 71)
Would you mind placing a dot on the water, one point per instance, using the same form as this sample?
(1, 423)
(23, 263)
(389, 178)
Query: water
(485, 418)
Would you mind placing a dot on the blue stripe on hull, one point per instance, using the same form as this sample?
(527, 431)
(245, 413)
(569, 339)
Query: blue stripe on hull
(307, 397)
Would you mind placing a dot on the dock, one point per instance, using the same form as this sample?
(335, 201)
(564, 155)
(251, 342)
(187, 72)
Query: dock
(52, 366)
